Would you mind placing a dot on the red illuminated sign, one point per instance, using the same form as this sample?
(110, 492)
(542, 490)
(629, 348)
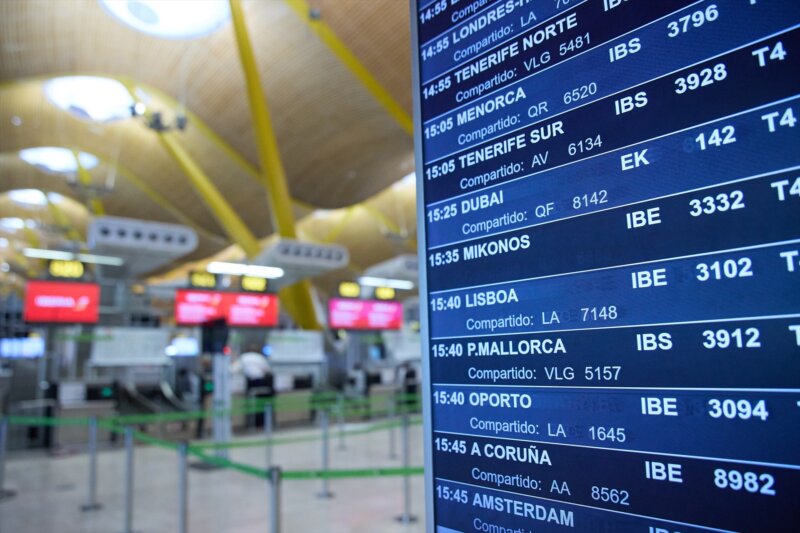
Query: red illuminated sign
(364, 314)
(238, 309)
(58, 301)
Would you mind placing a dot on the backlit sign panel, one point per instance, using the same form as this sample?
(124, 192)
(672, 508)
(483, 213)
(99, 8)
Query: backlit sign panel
(58, 301)
(345, 313)
(238, 309)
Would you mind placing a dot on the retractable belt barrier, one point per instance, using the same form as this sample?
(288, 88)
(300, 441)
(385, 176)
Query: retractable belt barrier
(409, 402)
(124, 425)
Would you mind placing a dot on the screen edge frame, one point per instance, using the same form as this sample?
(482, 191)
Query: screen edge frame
(422, 246)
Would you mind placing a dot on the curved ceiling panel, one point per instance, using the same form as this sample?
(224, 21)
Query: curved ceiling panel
(339, 146)
(328, 126)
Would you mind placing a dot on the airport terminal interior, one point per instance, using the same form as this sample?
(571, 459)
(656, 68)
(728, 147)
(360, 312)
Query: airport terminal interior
(209, 311)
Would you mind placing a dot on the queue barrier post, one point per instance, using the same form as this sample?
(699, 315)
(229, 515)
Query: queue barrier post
(392, 430)
(128, 516)
(92, 504)
(340, 413)
(406, 517)
(268, 432)
(5, 494)
(275, 499)
(325, 448)
(183, 487)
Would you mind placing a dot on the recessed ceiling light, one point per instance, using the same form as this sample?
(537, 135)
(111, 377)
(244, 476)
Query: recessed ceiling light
(372, 281)
(405, 181)
(90, 97)
(39, 253)
(174, 19)
(56, 159)
(240, 269)
(321, 213)
(33, 197)
(16, 223)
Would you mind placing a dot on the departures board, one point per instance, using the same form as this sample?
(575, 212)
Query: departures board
(609, 214)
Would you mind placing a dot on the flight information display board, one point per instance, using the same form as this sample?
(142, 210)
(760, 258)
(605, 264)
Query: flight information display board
(610, 197)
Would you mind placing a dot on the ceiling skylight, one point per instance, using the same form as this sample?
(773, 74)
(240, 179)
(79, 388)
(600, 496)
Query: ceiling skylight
(33, 197)
(174, 19)
(56, 159)
(90, 98)
(405, 181)
(15, 223)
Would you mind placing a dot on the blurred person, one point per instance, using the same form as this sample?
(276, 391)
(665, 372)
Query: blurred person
(255, 368)
(258, 375)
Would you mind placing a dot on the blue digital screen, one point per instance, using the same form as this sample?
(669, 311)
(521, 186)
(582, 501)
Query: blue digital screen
(610, 192)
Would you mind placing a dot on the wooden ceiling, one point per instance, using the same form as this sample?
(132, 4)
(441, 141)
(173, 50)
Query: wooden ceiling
(341, 150)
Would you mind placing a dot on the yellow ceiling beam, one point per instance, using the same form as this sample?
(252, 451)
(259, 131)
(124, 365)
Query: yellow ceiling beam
(297, 297)
(63, 221)
(381, 218)
(214, 200)
(212, 136)
(273, 175)
(165, 204)
(358, 69)
(340, 226)
(388, 223)
(24, 264)
(32, 237)
(195, 122)
(85, 179)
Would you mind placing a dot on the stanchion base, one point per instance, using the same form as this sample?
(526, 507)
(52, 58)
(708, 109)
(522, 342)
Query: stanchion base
(7, 494)
(87, 507)
(204, 467)
(406, 519)
(325, 495)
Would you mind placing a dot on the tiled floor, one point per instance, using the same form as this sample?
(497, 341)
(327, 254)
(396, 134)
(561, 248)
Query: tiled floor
(50, 491)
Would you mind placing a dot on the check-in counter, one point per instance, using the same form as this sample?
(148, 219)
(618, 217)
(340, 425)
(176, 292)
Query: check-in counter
(381, 397)
(75, 437)
(294, 405)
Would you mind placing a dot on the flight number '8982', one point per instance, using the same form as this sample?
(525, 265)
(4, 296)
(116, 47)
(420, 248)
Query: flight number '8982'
(749, 481)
